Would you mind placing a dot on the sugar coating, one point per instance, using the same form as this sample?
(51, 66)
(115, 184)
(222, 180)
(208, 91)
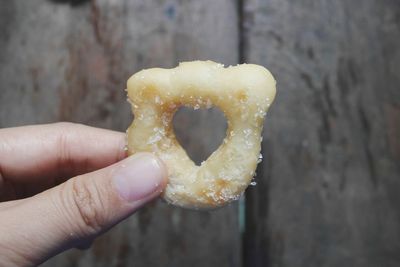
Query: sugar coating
(243, 92)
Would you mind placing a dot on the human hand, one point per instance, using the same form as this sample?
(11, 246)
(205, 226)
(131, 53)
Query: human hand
(42, 212)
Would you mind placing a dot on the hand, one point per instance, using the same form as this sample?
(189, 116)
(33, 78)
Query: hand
(42, 212)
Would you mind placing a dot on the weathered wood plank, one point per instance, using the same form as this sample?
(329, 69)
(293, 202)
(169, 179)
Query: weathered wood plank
(69, 60)
(328, 189)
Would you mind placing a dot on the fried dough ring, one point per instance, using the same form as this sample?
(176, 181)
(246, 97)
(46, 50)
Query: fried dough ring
(242, 92)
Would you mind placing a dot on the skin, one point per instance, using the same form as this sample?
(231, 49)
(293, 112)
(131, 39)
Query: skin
(63, 184)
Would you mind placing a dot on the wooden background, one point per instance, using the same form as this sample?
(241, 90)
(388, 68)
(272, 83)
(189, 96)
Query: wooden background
(328, 190)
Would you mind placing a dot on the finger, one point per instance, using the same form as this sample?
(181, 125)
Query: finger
(78, 210)
(33, 154)
(10, 204)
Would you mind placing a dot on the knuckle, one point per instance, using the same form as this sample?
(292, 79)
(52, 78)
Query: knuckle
(88, 206)
(64, 160)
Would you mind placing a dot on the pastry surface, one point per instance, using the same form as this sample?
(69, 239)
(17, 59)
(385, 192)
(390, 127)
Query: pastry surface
(243, 92)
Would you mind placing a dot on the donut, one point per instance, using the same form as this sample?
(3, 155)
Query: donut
(244, 94)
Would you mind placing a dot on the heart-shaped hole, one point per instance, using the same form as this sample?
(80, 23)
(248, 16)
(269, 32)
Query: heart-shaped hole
(200, 132)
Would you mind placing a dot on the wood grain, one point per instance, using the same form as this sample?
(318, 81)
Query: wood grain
(328, 189)
(69, 60)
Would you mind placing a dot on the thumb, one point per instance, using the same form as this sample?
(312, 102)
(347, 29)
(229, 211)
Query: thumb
(80, 209)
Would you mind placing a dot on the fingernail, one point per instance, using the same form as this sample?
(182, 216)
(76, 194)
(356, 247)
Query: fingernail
(138, 176)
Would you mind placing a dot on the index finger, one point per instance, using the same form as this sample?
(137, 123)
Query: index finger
(35, 154)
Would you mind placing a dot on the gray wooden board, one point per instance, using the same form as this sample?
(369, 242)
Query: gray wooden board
(69, 61)
(328, 190)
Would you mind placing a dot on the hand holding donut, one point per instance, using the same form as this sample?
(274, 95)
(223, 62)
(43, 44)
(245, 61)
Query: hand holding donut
(105, 187)
(243, 93)
(63, 184)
